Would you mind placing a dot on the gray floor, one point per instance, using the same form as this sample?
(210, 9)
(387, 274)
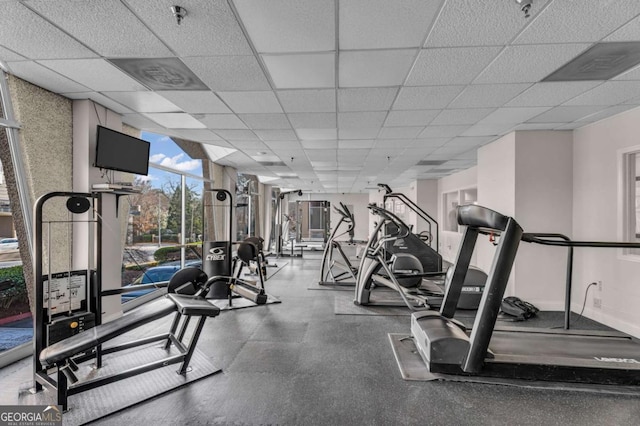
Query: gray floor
(299, 363)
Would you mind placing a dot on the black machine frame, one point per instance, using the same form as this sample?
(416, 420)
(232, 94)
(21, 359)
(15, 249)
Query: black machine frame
(332, 246)
(606, 358)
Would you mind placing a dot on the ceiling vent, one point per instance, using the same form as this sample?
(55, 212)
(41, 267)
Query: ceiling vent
(603, 61)
(430, 162)
(272, 163)
(160, 73)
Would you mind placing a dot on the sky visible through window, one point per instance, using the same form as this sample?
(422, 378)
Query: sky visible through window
(165, 152)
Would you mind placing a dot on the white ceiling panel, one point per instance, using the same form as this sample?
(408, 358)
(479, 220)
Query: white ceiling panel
(481, 129)
(196, 101)
(100, 99)
(289, 25)
(529, 63)
(140, 121)
(536, 126)
(459, 65)
(143, 101)
(366, 99)
(395, 143)
(106, 26)
(301, 71)
(559, 22)
(487, 95)
(320, 144)
(609, 93)
(512, 115)
(430, 143)
(236, 134)
(356, 144)
(210, 28)
(96, 74)
(320, 100)
(266, 121)
(374, 68)
(175, 120)
(469, 141)
(44, 77)
(427, 97)
(400, 132)
(565, 114)
(551, 93)
(361, 119)
(448, 152)
(442, 131)
(229, 72)
(8, 55)
(222, 121)
(315, 134)
(199, 135)
(251, 102)
(313, 120)
(41, 40)
(479, 23)
(250, 147)
(359, 133)
(322, 154)
(606, 113)
(371, 24)
(276, 135)
(411, 118)
(628, 32)
(460, 116)
(283, 145)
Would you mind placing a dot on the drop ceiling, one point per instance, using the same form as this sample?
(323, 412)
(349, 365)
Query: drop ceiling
(327, 95)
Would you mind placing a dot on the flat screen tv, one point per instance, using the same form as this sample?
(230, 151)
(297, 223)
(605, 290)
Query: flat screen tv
(117, 151)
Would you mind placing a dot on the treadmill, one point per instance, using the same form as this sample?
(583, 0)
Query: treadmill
(576, 356)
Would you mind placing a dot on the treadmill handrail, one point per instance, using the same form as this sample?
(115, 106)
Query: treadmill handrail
(541, 239)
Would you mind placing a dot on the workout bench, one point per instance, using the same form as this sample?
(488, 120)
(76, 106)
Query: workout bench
(65, 355)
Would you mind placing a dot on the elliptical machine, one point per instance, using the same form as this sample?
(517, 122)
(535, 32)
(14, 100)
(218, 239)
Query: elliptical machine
(338, 271)
(398, 259)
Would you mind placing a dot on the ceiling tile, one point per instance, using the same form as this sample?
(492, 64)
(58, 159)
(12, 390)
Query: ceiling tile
(361, 119)
(253, 146)
(326, 134)
(175, 120)
(459, 65)
(106, 26)
(251, 102)
(559, 22)
(289, 25)
(266, 121)
(222, 121)
(366, 99)
(551, 93)
(301, 71)
(96, 74)
(276, 135)
(196, 101)
(283, 145)
(479, 23)
(139, 121)
(608, 93)
(529, 63)
(398, 143)
(320, 144)
(199, 135)
(359, 133)
(411, 118)
(375, 24)
(442, 131)
(429, 143)
(355, 143)
(321, 100)
(236, 134)
(490, 129)
(313, 120)
(100, 99)
(536, 126)
(374, 67)
(44, 77)
(229, 72)
(400, 132)
(7, 55)
(565, 114)
(426, 97)
(606, 113)
(487, 95)
(632, 74)
(628, 32)
(210, 28)
(513, 115)
(42, 40)
(460, 116)
(143, 101)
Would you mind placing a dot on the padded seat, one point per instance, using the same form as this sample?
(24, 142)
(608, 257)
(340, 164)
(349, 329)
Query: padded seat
(192, 306)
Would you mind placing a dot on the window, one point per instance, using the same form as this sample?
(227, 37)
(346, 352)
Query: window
(630, 172)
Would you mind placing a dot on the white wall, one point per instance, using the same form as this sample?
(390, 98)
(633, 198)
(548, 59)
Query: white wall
(596, 216)
(450, 241)
(359, 203)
